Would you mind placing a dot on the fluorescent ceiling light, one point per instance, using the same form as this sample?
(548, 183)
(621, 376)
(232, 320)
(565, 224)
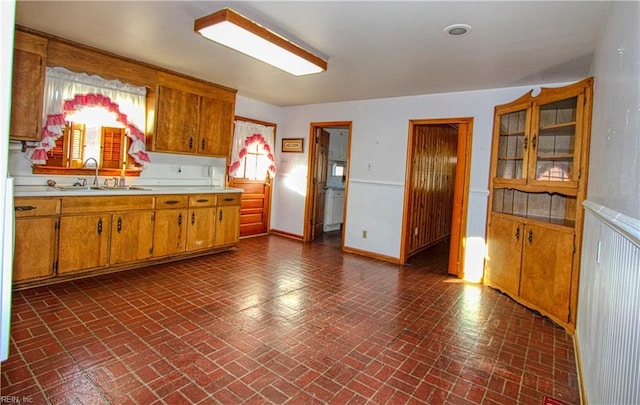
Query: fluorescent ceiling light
(238, 32)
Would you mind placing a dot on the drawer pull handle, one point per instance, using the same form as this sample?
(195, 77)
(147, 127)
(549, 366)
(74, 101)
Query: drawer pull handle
(530, 238)
(193, 218)
(25, 208)
(180, 220)
(190, 143)
(119, 224)
(220, 216)
(202, 200)
(203, 144)
(100, 226)
(228, 199)
(517, 235)
(171, 202)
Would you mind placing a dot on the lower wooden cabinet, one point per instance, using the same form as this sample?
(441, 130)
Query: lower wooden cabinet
(36, 230)
(131, 237)
(532, 262)
(84, 242)
(75, 235)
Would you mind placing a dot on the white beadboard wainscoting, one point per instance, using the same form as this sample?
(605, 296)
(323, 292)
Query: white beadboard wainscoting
(608, 326)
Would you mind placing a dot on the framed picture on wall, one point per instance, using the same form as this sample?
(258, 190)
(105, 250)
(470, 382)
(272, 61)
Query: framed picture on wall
(292, 144)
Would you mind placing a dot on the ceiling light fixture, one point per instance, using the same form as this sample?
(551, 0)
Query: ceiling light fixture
(458, 30)
(238, 32)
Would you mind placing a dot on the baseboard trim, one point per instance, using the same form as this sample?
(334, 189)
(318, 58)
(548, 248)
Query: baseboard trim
(373, 255)
(287, 234)
(576, 353)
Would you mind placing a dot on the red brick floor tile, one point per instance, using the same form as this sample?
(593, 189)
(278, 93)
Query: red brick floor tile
(278, 321)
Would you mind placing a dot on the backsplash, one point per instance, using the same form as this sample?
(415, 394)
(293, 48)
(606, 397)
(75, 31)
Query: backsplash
(165, 169)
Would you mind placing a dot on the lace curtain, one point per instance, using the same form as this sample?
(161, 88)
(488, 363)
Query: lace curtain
(66, 92)
(247, 134)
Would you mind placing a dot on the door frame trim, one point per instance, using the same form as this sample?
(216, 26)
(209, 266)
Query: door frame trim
(271, 182)
(461, 191)
(311, 166)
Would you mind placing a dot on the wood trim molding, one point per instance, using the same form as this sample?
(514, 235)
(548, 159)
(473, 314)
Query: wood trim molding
(372, 255)
(285, 234)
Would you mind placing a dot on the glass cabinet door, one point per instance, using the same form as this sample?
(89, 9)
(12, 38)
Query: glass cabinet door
(512, 144)
(555, 142)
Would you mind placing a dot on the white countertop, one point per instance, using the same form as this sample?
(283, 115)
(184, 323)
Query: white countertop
(48, 191)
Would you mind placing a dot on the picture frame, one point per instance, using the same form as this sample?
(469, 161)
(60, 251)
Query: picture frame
(294, 145)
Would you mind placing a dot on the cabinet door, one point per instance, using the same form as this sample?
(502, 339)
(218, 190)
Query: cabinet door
(504, 244)
(84, 242)
(201, 228)
(27, 93)
(216, 123)
(34, 235)
(556, 140)
(131, 236)
(227, 225)
(546, 269)
(169, 232)
(510, 143)
(177, 121)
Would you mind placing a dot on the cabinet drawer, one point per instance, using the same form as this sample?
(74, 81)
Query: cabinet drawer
(202, 200)
(81, 205)
(229, 199)
(36, 207)
(171, 201)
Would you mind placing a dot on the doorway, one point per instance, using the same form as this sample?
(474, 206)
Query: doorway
(325, 205)
(437, 188)
(254, 177)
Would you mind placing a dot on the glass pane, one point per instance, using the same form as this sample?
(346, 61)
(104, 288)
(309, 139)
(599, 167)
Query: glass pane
(511, 145)
(555, 141)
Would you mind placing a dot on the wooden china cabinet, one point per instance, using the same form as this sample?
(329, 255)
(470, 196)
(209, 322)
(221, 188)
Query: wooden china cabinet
(537, 185)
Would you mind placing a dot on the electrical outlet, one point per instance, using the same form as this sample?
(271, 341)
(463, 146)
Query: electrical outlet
(364, 234)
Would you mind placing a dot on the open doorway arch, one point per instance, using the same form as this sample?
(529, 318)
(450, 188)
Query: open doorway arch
(317, 185)
(420, 190)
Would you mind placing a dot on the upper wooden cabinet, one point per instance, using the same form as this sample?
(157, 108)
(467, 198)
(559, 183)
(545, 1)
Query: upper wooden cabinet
(29, 63)
(538, 139)
(192, 118)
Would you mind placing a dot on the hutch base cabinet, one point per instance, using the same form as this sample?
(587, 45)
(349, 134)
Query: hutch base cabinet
(538, 182)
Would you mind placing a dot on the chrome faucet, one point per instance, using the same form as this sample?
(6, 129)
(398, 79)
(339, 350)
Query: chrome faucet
(95, 178)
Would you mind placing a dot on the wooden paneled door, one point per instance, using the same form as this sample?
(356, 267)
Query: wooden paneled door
(255, 206)
(436, 188)
(320, 182)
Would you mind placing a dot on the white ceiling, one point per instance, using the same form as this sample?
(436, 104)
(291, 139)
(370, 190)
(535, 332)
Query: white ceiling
(375, 49)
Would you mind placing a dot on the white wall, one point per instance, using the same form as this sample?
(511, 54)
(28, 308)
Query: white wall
(378, 161)
(608, 321)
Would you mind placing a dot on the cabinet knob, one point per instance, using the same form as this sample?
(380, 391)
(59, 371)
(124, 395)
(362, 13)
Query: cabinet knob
(179, 219)
(119, 227)
(100, 226)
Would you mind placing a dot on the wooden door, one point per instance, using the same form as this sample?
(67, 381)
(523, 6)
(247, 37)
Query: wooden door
(201, 228)
(504, 242)
(84, 242)
(169, 232)
(131, 236)
(34, 235)
(227, 225)
(215, 127)
(255, 206)
(319, 182)
(177, 121)
(546, 269)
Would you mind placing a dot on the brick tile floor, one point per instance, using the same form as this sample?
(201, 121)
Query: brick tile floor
(278, 321)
